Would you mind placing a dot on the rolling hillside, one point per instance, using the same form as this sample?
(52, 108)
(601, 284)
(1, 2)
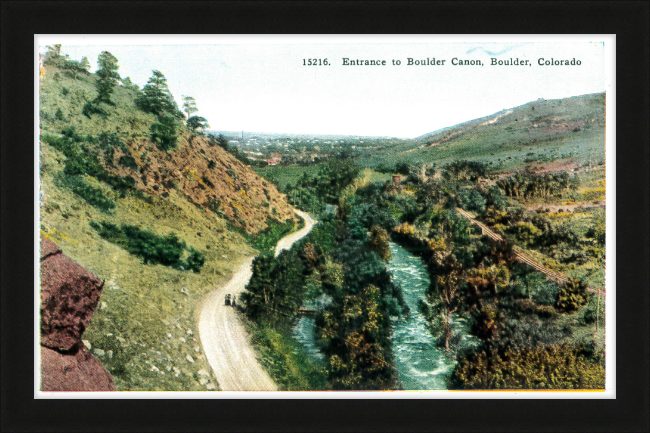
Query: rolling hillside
(564, 131)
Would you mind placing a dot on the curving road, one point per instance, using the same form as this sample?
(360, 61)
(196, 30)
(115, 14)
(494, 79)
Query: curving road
(224, 339)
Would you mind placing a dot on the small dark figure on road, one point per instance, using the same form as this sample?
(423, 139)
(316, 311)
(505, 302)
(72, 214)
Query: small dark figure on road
(234, 301)
(228, 299)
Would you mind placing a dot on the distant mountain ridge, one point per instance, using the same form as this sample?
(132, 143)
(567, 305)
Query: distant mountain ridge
(490, 116)
(569, 129)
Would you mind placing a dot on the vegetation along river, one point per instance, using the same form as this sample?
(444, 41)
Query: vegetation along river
(420, 363)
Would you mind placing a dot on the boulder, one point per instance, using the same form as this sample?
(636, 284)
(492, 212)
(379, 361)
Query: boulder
(77, 370)
(69, 296)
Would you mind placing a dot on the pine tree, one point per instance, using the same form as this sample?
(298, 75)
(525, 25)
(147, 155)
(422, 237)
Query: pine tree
(189, 106)
(85, 64)
(108, 77)
(197, 122)
(157, 99)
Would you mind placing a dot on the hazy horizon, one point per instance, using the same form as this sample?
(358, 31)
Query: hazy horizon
(260, 84)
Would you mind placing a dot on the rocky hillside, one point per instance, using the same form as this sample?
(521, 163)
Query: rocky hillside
(203, 172)
(160, 226)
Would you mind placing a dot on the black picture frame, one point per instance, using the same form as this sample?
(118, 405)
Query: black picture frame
(628, 20)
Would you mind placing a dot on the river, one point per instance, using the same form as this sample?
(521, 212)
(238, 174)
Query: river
(303, 330)
(421, 365)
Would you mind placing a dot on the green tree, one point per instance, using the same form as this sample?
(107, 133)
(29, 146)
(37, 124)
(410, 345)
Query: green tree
(222, 142)
(355, 339)
(378, 242)
(197, 122)
(189, 106)
(157, 99)
(129, 84)
(53, 54)
(55, 49)
(85, 64)
(164, 134)
(108, 77)
(276, 287)
(447, 287)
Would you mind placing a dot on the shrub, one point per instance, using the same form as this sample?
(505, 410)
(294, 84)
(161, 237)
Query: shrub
(91, 108)
(163, 133)
(525, 232)
(266, 239)
(402, 168)
(404, 229)
(128, 161)
(495, 199)
(465, 170)
(548, 367)
(108, 142)
(153, 249)
(535, 287)
(531, 332)
(215, 206)
(207, 181)
(471, 200)
(593, 312)
(597, 232)
(572, 295)
(93, 196)
(195, 260)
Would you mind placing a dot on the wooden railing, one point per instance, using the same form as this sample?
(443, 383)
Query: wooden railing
(521, 256)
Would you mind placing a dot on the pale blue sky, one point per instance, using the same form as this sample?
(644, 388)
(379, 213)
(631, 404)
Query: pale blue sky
(260, 84)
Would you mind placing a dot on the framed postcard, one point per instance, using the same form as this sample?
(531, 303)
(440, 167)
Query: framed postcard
(339, 221)
(440, 234)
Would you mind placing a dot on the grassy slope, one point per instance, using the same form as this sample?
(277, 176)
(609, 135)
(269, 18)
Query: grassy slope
(123, 118)
(283, 175)
(142, 304)
(533, 131)
(145, 325)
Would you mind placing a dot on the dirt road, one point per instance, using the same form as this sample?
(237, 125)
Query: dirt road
(286, 242)
(223, 336)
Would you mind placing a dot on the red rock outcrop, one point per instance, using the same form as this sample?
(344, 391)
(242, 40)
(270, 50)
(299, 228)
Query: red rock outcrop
(69, 296)
(209, 177)
(73, 372)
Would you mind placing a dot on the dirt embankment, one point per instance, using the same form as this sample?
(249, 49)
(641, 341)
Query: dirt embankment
(209, 177)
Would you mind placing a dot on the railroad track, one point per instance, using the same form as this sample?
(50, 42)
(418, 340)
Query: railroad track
(522, 257)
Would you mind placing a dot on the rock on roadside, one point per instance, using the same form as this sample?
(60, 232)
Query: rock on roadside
(69, 296)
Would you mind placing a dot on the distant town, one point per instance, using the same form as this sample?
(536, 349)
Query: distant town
(286, 149)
